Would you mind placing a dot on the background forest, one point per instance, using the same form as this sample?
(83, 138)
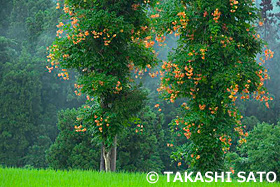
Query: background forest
(38, 109)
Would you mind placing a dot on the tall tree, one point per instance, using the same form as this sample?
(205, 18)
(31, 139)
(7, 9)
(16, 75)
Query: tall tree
(20, 106)
(30, 96)
(213, 64)
(104, 41)
(71, 149)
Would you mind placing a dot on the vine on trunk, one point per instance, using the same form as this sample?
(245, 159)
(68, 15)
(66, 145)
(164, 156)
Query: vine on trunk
(104, 41)
(213, 65)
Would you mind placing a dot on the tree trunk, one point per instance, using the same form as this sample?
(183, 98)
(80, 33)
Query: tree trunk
(102, 163)
(107, 158)
(114, 155)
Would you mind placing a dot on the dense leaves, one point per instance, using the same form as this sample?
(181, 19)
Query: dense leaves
(30, 96)
(72, 149)
(260, 153)
(104, 41)
(213, 64)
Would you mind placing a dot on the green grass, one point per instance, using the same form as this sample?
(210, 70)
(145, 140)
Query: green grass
(23, 177)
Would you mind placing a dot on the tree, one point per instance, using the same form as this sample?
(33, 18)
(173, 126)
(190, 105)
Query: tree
(250, 122)
(141, 145)
(104, 41)
(263, 145)
(213, 64)
(71, 149)
(30, 96)
(36, 156)
(260, 153)
(20, 104)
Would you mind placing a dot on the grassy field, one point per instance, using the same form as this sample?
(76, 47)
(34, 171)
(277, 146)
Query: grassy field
(22, 177)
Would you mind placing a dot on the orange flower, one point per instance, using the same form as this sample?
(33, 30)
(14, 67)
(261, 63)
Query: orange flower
(182, 14)
(202, 107)
(205, 14)
(101, 83)
(232, 171)
(57, 6)
(60, 25)
(155, 16)
(261, 23)
(135, 6)
(267, 105)
(179, 163)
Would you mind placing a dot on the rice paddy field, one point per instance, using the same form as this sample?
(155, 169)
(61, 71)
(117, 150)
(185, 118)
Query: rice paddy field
(31, 177)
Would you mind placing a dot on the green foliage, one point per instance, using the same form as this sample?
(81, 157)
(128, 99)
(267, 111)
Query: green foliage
(140, 147)
(260, 153)
(36, 156)
(104, 123)
(214, 61)
(263, 147)
(103, 41)
(30, 96)
(20, 104)
(250, 122)
(237, 163)
(71, 149)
